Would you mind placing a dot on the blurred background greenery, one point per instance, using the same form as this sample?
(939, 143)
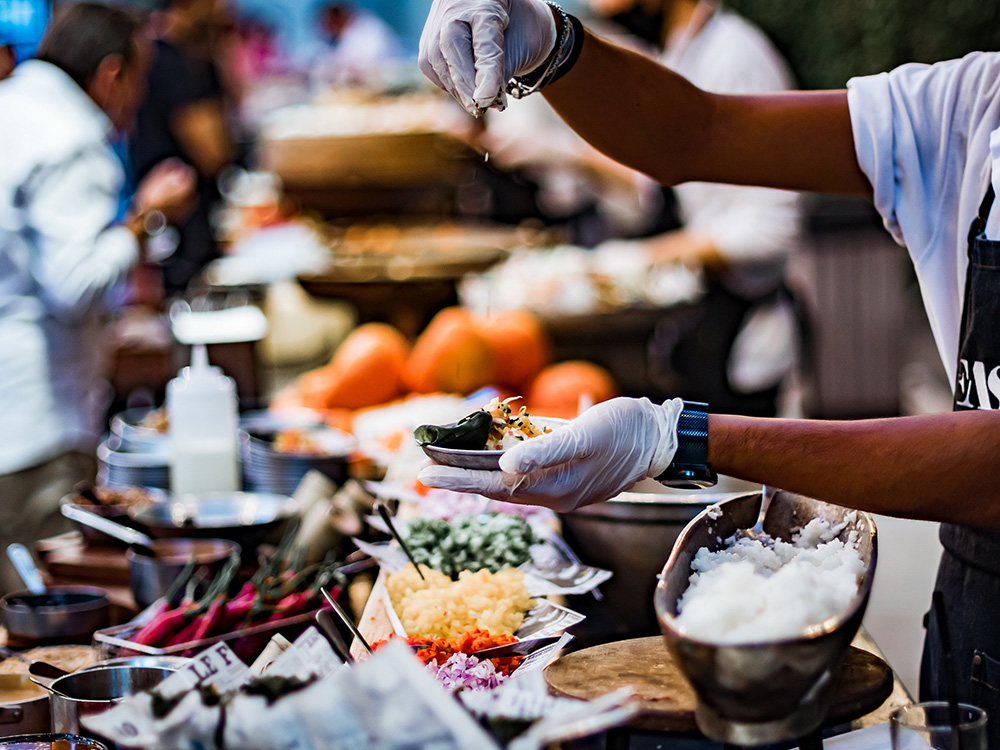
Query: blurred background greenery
(828, 41)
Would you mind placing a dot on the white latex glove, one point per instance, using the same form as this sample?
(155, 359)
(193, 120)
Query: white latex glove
(471, 48)
(604, 451)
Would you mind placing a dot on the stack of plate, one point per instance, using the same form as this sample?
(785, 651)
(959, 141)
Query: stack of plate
(122, 465)
(137, 436)
(267, 470)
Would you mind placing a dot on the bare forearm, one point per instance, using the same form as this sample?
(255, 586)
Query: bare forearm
(651, 119)
(941, 467)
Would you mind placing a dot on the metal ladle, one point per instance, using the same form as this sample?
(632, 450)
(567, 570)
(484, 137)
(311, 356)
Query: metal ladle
(25, 566)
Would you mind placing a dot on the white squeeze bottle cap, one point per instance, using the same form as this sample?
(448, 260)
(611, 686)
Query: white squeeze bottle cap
(202, 413)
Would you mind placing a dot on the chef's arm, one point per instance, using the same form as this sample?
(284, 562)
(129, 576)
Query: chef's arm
(940, 467)
(645, 116)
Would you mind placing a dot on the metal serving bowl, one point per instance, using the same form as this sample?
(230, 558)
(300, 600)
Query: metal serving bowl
(630, 535)
(151, 576)
(61, 615)
(95, 690)
(246, 518)
(762, 693)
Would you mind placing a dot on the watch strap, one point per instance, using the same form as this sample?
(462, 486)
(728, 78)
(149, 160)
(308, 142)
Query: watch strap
(689, 468)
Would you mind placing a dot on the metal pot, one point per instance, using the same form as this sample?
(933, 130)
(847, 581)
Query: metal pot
(24, 706)
(94, 691)
(50, 742)
(630, 535)
(173, 663)
(246, 518)
(63, 614)
(152, 575)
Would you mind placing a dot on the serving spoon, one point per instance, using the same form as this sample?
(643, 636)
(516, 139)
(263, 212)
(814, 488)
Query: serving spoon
(756, 532)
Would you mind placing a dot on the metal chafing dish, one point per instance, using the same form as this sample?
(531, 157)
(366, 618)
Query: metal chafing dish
(761, 693)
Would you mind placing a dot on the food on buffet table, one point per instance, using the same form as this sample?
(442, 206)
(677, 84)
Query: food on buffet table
(469, 433)
(507, 428)
(366, 370)
(70, 658)
(436, 605)
(464, 672)
(21, 693)
(492, 428)
(297, 441)
(452, 355)
(492, 541)
(569, 281)
(280, 589)
(122, 496)
(438, 651)
(559, 389)
(156, 420)
(766, 590)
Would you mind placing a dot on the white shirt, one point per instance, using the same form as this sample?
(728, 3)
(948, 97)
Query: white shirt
(729, 55)
(927, 137)
(59, 255)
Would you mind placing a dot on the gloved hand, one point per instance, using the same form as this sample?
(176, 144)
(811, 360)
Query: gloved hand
(602, 452)
(471, 48)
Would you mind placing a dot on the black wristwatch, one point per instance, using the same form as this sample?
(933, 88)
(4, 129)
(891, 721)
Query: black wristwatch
(690, 470)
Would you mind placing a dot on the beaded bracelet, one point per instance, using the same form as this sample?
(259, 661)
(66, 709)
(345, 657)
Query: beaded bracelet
(569, 42)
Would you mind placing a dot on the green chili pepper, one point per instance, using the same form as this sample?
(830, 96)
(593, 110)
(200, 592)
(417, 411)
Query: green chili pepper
(468, 433)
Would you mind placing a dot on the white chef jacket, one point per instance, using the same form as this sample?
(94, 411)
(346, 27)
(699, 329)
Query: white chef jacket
(927, 137)
(755, 227)
(59, 255)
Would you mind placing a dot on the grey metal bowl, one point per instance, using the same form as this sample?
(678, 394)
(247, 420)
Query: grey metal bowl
(151, 576)
(761, 693)
(246, 518)
(63, 614)
(630, 535)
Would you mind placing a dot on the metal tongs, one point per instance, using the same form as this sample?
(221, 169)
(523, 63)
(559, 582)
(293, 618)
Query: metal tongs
(383, 513)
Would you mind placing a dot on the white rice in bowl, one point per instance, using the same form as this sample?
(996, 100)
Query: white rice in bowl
(753, 592)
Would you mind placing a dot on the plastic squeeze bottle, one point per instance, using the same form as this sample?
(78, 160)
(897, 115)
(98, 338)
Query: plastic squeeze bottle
(202, 411)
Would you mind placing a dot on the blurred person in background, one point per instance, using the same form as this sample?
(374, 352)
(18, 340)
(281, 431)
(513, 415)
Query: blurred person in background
(740, 342)
(184, 115)
(356, 47)
(62, 249)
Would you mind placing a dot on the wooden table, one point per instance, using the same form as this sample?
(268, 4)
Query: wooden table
(867, 690)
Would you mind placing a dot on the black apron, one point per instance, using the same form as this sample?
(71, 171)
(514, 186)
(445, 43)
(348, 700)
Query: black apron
(969, 574)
